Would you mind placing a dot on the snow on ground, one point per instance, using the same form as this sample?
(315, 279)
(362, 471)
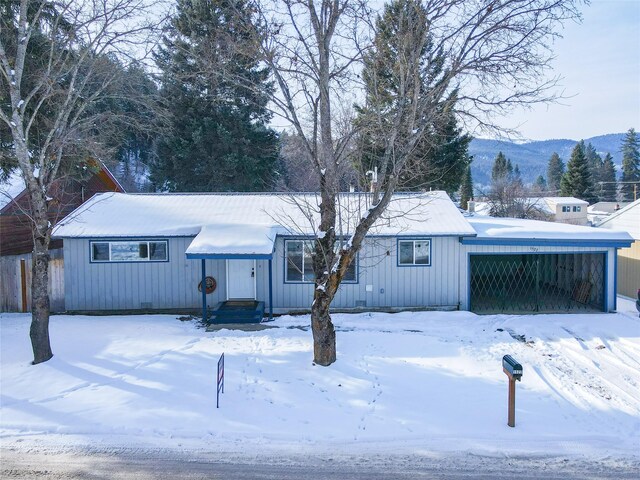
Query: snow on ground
(423, 383)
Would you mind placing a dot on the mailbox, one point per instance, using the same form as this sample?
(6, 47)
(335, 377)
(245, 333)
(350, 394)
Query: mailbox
(512, 367)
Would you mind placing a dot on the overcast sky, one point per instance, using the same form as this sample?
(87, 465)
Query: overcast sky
(599, 61)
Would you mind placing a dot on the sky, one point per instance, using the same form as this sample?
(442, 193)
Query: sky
(599, 62)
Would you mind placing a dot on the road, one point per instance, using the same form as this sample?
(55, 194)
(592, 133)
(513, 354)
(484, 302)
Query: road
(141, 464)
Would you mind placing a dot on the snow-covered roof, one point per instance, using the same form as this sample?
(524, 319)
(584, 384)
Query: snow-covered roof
(627, 218)
(533, 230)
(11, 188)
(241, 240)
(565, 200)
(168, 214)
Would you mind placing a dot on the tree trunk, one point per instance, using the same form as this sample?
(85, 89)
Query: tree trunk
(39, 331)
(324, 335)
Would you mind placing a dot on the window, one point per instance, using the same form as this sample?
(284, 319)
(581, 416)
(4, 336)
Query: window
(566, 208)
(129, 251)
(577, 209)
(299, 262)
(414, 252)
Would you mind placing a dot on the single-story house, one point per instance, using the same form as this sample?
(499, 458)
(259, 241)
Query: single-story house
(628, 220)
(569, 210)
(147, 252)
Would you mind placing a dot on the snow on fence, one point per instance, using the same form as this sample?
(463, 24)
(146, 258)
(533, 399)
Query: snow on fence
(220, 382)
(15, 282)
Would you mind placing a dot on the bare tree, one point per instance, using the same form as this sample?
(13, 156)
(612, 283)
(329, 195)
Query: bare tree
(56, 67)
(509, 197)
(493, 54)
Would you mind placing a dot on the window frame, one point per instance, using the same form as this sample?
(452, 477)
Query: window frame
(577, 209)
(139, 241)
(566, 209)
(356, 265)
(414, 240)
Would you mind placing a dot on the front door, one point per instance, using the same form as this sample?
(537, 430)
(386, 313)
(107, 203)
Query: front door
(241, 279)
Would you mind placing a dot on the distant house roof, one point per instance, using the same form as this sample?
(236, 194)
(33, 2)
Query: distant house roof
(627, 218)
(545, 205)
(175, 214)
(11, 188)
(66, 194)
(565, 200)
(521, 231)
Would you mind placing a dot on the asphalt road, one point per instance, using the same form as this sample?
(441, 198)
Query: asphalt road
(139, 464)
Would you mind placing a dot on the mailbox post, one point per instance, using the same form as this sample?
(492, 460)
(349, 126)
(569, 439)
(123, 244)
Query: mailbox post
(513, 370)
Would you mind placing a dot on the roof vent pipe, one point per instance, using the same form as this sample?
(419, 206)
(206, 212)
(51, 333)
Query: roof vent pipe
(374, 183)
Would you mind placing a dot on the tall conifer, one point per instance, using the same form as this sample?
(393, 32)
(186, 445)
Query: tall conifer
(466, 189)
(608, 178)
(630, 187)
(576, 182)
(555, 171)
(219, 139)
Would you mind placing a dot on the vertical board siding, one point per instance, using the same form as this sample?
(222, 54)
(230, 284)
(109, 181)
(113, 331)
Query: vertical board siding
(392, 286)
(11, 282)
(139, 285)
(173, 284)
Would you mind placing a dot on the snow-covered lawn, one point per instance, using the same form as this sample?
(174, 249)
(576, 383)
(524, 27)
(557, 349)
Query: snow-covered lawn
(403, 383)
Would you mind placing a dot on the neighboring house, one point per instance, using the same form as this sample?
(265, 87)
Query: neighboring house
(16, 241)
(567, 210)
(150, 252)
(601, 210)
(627, 219)
(554, 209)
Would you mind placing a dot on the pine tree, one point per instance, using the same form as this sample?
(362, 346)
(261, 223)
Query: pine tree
(219, 140)
(440, 157)
(466, 189)
(502, 167)
(576, 182)
(609, 189)
(555, 171)
(540, 184)
(630, 167)
(595, 166)
(517, 176)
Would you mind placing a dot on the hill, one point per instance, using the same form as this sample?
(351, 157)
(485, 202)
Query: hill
(532, 157)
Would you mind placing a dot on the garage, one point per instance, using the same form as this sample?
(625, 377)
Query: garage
(538, 283)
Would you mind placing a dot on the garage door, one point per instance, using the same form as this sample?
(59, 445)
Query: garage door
(545, 283)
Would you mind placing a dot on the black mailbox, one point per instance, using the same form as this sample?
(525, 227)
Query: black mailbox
(511, 367)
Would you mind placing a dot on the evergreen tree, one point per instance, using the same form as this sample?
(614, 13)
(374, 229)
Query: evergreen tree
(595, 166)
(466, 189)
(440, 156)
(555, 171)
(540, 184)
(516, 173)
(576, 182)
(609, 190)
(219, 140)
(630, 166)
(502, 168)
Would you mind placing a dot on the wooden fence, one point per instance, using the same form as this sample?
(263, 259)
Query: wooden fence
(15, 282)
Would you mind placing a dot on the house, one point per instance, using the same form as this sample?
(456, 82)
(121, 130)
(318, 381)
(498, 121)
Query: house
(627, 219)
(16, 241)
(601, 210)
(152, 252)
(554, 209)
(567, 210)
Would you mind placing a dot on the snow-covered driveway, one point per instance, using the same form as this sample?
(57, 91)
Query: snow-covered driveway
(428, 382)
